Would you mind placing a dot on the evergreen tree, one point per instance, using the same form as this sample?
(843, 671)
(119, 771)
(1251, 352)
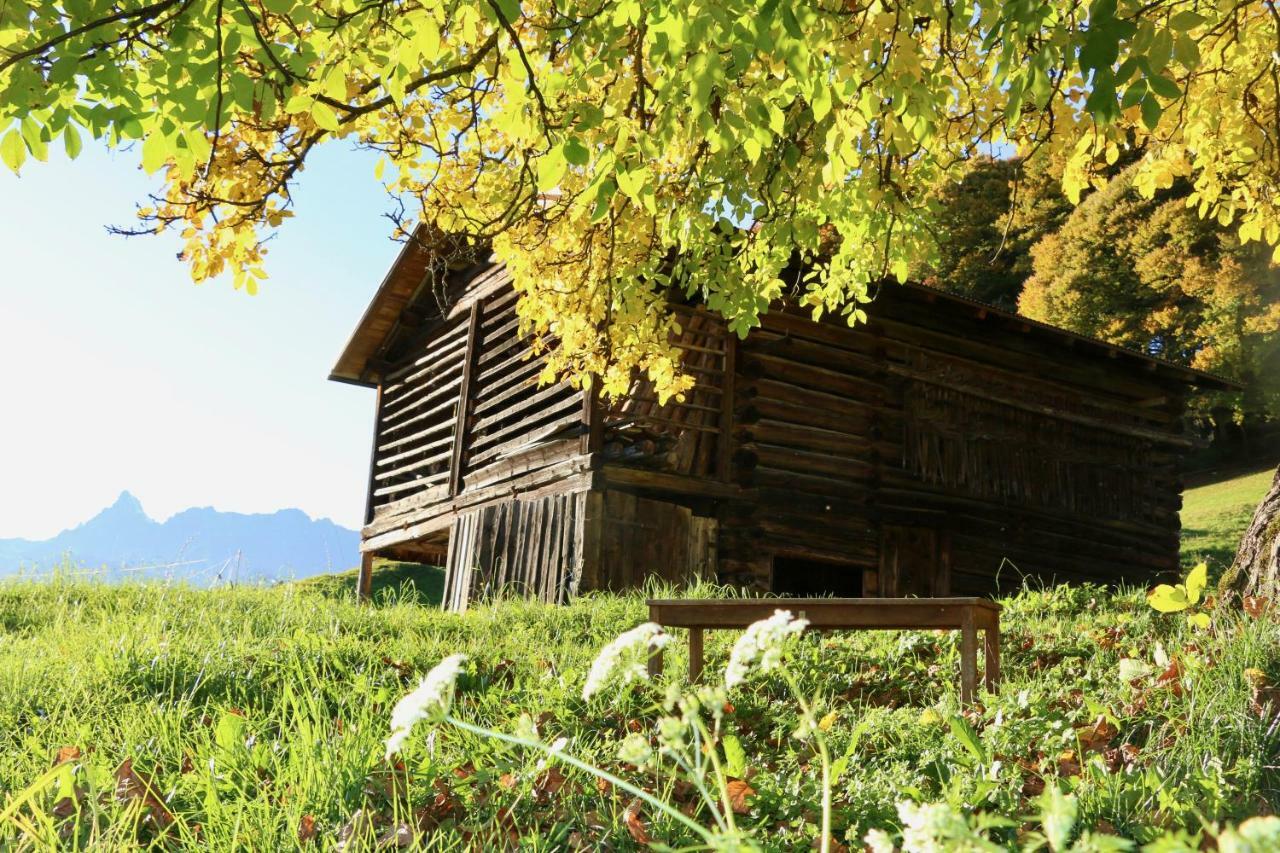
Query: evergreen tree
(987, 223)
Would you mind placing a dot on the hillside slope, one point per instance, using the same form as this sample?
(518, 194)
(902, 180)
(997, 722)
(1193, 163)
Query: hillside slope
(1215, 516)
(258, 717)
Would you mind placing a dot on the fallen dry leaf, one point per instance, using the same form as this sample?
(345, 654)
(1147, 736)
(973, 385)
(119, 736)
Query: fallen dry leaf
(739, 793)
(400, 835)
(1096, 737)
(1256, 606)
(635, 824)
(306, 829)
(67, 753)
(549, 783)
(132, 786)
(1171, 677)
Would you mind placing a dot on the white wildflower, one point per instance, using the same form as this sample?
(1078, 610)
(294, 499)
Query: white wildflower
(879, 841)
(635, 749)
(1255, 835)
(430, 701)
(936, 828)
(625, 657)
(762, 644)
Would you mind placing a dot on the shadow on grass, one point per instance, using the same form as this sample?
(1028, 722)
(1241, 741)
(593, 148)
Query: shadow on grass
(393, 583)
(1207, 545)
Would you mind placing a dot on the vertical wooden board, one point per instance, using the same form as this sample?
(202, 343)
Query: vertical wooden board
(590, 542)
(465, 394)
(908, 560)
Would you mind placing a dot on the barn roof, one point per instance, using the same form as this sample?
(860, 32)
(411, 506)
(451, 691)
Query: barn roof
(406, 280)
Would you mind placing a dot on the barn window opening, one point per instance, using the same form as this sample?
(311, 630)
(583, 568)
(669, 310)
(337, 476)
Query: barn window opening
(803, 577)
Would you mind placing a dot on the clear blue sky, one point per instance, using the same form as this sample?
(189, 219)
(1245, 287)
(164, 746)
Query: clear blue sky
(116, 372)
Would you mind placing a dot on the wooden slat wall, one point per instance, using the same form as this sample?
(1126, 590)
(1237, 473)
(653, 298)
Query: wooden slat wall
(530, 548)
(511, 414)
(680, 436)
(416, 422)
(630, 539)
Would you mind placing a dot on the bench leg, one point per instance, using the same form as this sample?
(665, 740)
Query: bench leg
(695, 655)
(991, 669)
(968, 659)
(655, 662)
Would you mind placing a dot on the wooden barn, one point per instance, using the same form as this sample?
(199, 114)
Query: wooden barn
(943, 448)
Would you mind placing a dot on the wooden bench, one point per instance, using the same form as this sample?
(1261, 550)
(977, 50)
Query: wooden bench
(966, 615)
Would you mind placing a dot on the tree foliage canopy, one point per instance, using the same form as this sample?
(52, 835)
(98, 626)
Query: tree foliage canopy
(987, 223)
(592, 142)
(1148, 273)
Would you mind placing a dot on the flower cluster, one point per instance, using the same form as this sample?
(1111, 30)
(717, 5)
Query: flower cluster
(430, 701)
(762, 644)
(623, 659)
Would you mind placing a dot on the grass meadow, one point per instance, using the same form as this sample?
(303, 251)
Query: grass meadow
(155, 715)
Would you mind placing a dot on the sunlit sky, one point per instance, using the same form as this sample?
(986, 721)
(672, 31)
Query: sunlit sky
(116, 372)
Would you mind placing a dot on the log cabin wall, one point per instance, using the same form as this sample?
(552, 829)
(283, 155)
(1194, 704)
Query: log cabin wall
(941, 448)
(936, 453)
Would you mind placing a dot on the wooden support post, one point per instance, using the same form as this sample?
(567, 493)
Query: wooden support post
(724, 447)
(464, 402)
(373, 456)
(364, 585)
(592, 419)
(655, 662)
(991, 669)
(968, 658)
(695, 655)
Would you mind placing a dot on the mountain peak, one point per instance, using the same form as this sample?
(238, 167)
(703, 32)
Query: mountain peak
(126, 504)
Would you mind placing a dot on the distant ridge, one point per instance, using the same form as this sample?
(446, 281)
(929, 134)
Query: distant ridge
(201, 544)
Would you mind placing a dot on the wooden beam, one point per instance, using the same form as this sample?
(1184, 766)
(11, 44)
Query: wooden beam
(724, 454)
(373, 458)
(592, 419)
(464, 402)
(364, 585)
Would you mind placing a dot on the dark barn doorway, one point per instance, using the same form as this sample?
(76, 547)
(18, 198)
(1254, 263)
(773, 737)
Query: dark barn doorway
(800, 576)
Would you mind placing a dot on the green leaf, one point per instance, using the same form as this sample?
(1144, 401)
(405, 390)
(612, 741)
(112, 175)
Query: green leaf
(1184, 21)
(1186, 51)
(1164, 87)
(335, 84)
(155, 151)
(633, 182)
(71, 141)
(324, 117)
(1199, 621)
(575, 152)
(298, 104)
(1151, 111)
(13, 151)
(1165, 598)
(426, 41)
(1197, 580)
(510, 9)
(1134, 94)
(604, 196)
(33, 134)
(968, 738)
(1057, 816)
(551, 168)
(735, 756)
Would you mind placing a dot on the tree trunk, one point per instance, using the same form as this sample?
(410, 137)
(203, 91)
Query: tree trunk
(1256, 569)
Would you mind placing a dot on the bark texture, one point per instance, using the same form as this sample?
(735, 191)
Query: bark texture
(1256, 568)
